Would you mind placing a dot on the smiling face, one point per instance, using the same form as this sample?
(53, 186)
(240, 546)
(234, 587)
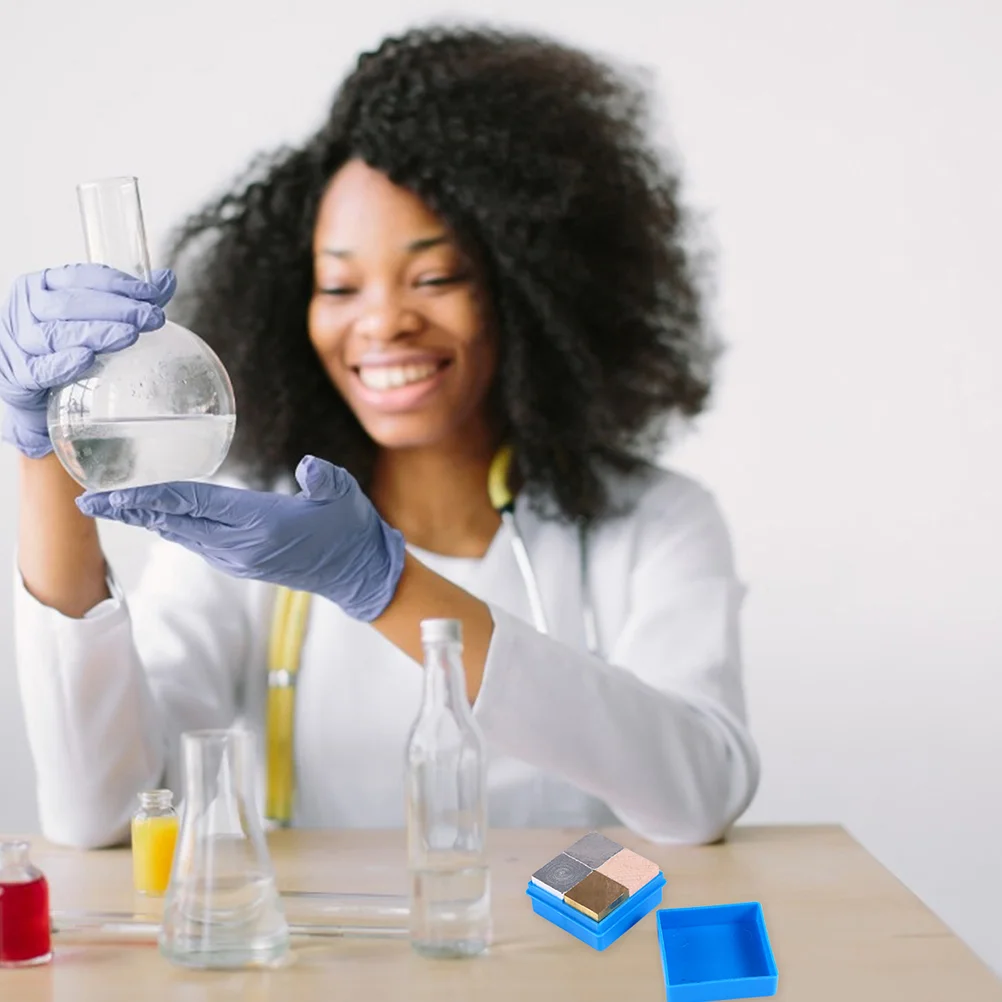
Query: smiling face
(396, 316)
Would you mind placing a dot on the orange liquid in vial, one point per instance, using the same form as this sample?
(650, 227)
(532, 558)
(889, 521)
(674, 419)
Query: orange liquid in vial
(153, 841)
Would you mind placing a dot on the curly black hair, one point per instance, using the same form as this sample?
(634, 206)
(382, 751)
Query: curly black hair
(537, 156)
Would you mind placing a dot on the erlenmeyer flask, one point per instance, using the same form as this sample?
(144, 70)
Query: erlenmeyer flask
(162, 409)
(222, 907)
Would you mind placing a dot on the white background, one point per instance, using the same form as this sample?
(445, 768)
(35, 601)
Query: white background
(848, 160)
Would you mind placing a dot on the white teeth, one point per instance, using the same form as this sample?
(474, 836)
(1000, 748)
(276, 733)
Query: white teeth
(387, 377)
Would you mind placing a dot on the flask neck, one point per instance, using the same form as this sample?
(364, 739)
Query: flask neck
(114, 231)
(445, 680)
(219, 783)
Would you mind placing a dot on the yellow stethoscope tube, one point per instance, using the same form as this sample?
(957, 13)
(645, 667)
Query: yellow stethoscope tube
(285, 646)
(288, 632)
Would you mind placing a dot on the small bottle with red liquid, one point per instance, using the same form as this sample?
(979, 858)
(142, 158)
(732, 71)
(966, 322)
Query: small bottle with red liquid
(25, 930)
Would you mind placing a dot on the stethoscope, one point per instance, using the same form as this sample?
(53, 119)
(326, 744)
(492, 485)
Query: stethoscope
(503, 502)
(288, 632)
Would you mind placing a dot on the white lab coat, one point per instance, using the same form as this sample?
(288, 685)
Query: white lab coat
(652, 734)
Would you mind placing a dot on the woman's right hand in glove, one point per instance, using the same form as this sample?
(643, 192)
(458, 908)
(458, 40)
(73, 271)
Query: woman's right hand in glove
(53, 324)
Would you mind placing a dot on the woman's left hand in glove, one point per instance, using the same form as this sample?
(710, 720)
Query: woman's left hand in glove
(328, 539)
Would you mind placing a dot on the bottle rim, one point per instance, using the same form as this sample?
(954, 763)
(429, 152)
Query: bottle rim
(156, 799)
(441, 631)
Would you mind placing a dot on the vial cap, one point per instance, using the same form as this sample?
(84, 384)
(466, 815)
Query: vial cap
(441, 631)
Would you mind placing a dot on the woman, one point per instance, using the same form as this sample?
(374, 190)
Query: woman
(477, 249)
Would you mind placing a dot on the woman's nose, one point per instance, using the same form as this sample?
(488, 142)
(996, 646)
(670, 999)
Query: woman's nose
(385, 317)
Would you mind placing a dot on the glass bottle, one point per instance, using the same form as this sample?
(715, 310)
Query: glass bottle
(25, 928)
(154, 836)
(450, 913)
(162, 409)
(222, 907)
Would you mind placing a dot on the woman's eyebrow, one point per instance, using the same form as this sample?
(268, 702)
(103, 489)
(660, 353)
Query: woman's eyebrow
(414, 247)
(425, 242)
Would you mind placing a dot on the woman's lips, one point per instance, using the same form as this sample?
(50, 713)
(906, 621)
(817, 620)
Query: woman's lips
(398, 399)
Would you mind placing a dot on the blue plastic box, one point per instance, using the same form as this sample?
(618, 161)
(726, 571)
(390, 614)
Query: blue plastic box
(716, 952)
(598, 934)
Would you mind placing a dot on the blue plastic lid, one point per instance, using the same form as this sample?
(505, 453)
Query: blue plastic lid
(716, 952)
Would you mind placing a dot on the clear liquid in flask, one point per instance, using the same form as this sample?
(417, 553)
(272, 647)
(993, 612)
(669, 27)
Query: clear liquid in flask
(105, 455)
(227, 922)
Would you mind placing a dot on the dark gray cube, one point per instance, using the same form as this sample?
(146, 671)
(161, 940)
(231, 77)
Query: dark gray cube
(560, 874)
(593, 849)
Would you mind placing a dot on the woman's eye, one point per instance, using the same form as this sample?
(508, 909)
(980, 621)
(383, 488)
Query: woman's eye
(440, 280)
(336, 290)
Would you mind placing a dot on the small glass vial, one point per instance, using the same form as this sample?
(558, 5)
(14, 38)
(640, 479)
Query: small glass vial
(447, 807)
(25, 925)
(154, 836)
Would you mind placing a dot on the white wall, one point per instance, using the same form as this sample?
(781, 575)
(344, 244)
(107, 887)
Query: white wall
(848, 157)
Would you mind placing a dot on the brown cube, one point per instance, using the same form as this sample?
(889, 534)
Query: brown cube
(596, 895)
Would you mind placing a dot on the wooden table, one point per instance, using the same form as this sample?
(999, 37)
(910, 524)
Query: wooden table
(842, 928)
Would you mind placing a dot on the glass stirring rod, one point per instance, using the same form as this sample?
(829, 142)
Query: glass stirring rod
(312, 914)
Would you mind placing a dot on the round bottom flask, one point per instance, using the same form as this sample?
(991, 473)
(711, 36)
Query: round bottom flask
(162, 409)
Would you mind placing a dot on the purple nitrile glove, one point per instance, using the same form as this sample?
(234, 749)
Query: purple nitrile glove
(327, 539)
(53, 324)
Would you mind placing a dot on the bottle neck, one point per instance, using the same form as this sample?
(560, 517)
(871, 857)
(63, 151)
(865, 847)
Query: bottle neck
(13, 854)
(444, 679)
(15, 864)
